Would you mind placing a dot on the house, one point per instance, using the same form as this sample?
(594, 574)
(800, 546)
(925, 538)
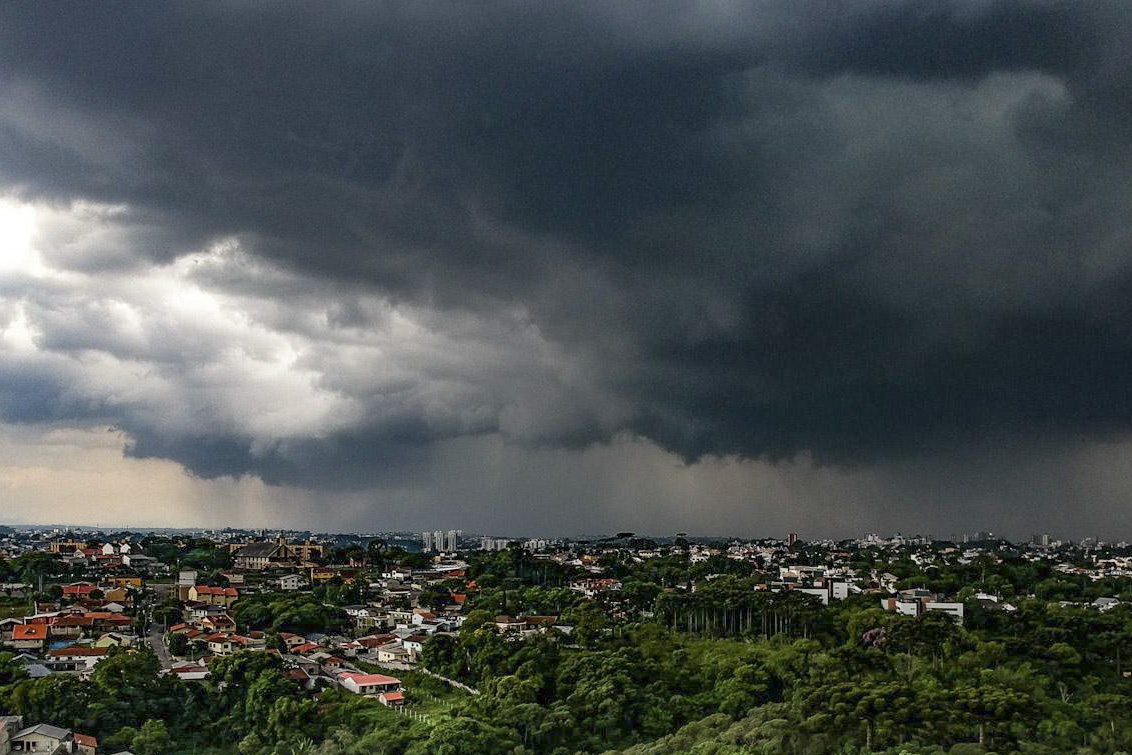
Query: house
(29, 636)
(393, 653)
(114, 639)
(108, 620)
(200, 611)
(251, 641)
(954, 610)
(139, 561)
(41, 738)
(291, 582)
(70, 627)
(399, 573)
(9, 725)
(368, 646)
(32, 667)
(186, 578)
(392, 699)
(79, 590)
(368, 684)
(414, 644)
(301, 677)
(291, 641)
(331, 665)
(591, 587)
(6, 627)
(306, 648)
(217, 622)
(213, 596)
(117, 595)
(74, 658)
(190, 672)
(504, 623)
(220, 644)
(85, 744)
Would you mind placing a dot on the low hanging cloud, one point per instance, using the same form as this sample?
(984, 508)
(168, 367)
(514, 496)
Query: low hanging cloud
(230, 365)
(310, 248)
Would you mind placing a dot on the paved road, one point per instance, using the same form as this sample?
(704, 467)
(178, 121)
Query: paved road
(159, 649)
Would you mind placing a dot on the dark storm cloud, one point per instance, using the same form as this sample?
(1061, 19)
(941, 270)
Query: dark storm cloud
(759, 230)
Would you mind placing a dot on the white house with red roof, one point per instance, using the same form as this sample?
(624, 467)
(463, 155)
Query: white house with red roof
(74, 658)
(29, 636)
(368, 684)
(392, 699)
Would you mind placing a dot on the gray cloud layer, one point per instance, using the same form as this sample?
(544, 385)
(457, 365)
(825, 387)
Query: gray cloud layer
(757, 230)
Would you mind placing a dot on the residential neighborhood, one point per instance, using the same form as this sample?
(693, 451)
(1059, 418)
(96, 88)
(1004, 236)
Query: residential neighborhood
(351, 617)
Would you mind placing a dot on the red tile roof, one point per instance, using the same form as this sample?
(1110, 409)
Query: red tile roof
(230, 592)
(73, 621)
(78, 589)
(29, 632)
(76, 652)
(366, 680)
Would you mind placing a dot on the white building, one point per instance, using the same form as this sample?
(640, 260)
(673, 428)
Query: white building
(368, 684)
(954, 610)
(291, 582)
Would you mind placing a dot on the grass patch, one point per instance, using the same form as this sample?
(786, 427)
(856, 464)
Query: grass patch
(14, 610)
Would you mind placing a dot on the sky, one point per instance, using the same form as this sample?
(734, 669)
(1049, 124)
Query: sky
(563, 268)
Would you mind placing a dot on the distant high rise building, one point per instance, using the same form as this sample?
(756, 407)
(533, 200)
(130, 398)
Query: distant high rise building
(438, 540)
(426, 541)
(792, 538)
(450, 540)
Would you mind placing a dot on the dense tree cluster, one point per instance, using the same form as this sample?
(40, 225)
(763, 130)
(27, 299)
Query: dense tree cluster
(292, 612)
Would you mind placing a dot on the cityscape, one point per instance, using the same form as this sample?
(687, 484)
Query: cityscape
(594, 377)
(414, 642)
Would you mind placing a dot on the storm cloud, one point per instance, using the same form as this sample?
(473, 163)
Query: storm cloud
(325, 248)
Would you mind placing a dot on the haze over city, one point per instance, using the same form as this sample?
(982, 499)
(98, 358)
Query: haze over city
(565, 269)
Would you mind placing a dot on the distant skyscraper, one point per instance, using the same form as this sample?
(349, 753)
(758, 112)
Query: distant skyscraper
(792, 538)
(450, 541)
(438, 540)
(426, 540)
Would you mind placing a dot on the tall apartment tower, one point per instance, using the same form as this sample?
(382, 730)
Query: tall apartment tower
(438, 540)
(450, 541)
(426, 541)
